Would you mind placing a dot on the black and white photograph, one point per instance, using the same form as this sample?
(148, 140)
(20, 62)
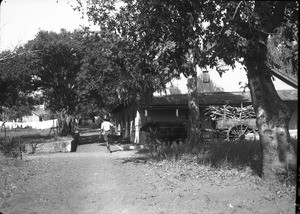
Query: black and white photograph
(149, 107)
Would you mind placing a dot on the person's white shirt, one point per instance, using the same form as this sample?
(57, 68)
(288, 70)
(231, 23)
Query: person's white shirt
(105, 126)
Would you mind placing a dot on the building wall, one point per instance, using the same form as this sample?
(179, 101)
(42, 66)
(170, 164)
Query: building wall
(131, 119)
(171, 114)
(125, 121)
(31, 118)
(155, 115)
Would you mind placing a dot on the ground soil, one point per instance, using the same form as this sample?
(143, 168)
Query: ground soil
(92, 180)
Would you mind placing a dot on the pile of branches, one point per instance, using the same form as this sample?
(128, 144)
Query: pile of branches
(226, 111)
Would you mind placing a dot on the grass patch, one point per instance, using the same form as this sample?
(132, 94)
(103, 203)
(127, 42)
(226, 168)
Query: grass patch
(10, 173)
(236, 154)
(12, 169)
(228, 159)
(187, 169)
(27, 133)
(14, 140)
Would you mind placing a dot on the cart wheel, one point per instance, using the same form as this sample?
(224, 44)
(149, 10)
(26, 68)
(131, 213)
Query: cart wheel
(240, 132)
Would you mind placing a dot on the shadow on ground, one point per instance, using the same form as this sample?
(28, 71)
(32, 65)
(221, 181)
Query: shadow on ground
(144, 155)
(135, 160)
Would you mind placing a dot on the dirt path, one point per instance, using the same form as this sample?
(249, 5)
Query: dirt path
(95, 181)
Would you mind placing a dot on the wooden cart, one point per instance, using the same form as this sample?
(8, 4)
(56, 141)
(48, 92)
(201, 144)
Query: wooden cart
(233, 122)
(236, 128)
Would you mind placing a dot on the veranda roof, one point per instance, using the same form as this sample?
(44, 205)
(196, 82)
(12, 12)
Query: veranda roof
(209, 98)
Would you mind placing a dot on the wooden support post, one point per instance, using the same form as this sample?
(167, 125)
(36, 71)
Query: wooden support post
(20, 148)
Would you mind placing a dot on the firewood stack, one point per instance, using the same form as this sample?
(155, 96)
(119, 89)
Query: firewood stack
(229, 112)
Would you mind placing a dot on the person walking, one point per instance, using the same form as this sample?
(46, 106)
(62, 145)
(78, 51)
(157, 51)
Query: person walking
(106, 131)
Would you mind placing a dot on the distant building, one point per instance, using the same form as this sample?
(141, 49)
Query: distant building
(37, 115)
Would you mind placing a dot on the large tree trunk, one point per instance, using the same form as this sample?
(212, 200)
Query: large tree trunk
(273, 117)
(194, 125)
(66, 124)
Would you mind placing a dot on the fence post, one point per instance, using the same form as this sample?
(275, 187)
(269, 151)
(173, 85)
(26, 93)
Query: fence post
(20, 147)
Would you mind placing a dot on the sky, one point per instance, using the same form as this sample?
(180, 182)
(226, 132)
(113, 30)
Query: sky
(230, 80)
(22, 19)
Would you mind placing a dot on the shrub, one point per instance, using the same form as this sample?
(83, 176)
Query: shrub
(10, 146)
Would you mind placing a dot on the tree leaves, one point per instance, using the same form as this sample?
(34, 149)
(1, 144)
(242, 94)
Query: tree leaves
(15, 85)
(55, 60)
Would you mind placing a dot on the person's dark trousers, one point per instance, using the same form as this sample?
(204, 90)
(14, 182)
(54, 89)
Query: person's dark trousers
(107, 139)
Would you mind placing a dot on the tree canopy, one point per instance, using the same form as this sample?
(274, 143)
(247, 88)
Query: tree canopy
(171, 37)
(55, 62)
(16, 86)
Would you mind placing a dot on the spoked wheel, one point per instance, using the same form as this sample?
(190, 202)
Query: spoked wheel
(240, 132)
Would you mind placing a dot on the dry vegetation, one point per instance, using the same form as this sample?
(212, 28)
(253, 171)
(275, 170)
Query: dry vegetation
(239, 160)
(12, 168)
(226, 111)
(13, 141)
